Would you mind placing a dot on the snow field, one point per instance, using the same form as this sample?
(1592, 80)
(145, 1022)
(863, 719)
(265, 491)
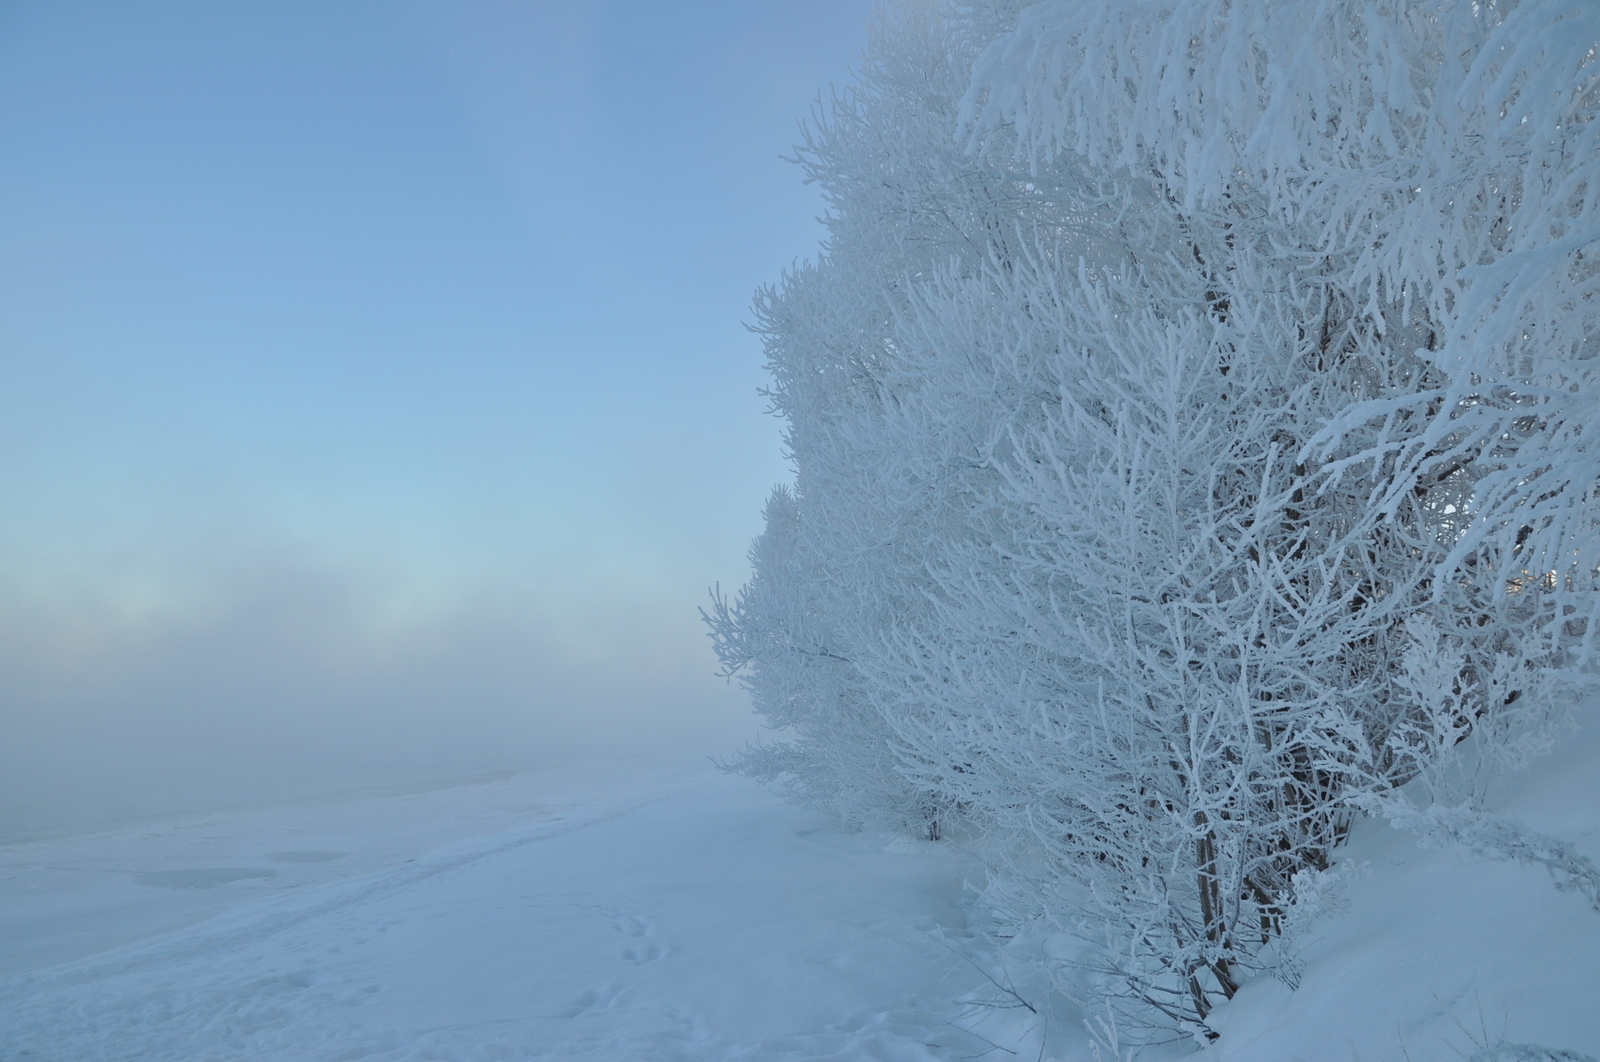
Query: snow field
(698, 919)
(667, 912)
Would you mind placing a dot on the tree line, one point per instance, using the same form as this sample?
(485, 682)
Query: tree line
(1193, 414)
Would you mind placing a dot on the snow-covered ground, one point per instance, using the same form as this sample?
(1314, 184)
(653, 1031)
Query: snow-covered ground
(1440, 954)
(645, 910)
(661, 910)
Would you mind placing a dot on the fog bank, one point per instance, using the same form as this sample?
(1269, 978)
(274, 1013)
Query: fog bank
(286, 683)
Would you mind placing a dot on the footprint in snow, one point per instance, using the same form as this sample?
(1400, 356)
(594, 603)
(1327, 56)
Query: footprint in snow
(632, 926)
(592, 1001)
(644, 953)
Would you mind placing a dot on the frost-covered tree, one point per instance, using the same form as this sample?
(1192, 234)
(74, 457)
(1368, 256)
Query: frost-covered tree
(1192, 412)
(843, 556)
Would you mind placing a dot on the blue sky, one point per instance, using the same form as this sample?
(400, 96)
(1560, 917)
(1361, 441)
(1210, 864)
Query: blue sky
(374, 387)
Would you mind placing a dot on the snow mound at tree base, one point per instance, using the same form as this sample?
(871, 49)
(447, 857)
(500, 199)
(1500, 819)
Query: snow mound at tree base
(1427, 954)
(1439, 954)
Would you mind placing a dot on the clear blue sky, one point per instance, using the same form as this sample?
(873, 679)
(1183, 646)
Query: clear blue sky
(374, 390)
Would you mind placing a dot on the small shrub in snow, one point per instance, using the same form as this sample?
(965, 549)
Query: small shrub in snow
(1498, 838)
(1315, 895)
(1528, 1053)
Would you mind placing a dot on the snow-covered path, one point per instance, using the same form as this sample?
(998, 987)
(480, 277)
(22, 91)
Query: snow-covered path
(695, 919)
